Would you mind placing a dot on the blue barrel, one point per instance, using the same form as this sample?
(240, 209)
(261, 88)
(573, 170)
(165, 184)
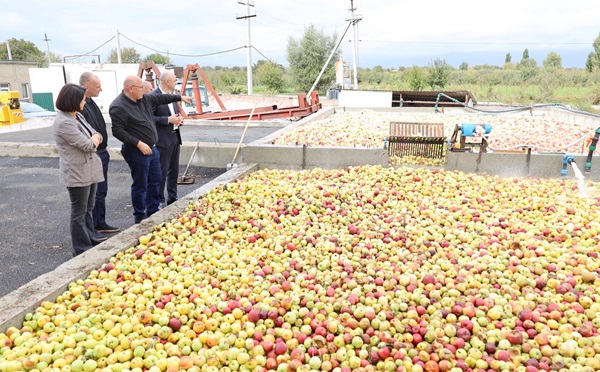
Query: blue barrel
(468, 130)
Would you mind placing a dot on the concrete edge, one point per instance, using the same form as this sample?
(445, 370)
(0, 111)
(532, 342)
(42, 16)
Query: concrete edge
(235, 123)
(48, 286)
(28, 150)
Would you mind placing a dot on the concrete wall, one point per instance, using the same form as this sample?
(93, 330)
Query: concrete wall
(266, 155)
(242, 101)
(517, 164)
(208, 154)
(361, 98)
(47, 80)
(303, 157)
(16, 73)
(52, 79)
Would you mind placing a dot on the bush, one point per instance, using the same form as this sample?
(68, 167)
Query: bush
(271, 76)
(238, 89)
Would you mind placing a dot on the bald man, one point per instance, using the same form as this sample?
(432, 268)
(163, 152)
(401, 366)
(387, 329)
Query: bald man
(133, 124)
(93, 115)
(147, 87)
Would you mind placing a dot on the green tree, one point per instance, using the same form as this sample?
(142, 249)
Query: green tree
(22, 50)
(415, 78)
(593, 60)
(553, 60)
(525, 55)
(128, 55)
(439, 74)
(158, 59)
(259, 63)
(378, 74)
(270, 75)
(528, 68)
(307, 56)
(508, 58)
(54, 58)
(463, 66)
(227, 78)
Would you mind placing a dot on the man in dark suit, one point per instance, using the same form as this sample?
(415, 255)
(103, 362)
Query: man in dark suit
(94, 116)
(168, 120)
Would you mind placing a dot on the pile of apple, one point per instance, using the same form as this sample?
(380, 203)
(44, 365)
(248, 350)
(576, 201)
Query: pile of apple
(358, 269)
(510, 131)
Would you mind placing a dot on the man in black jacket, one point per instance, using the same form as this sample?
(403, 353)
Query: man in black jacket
(94, 117)
(168, 120)
(133, 124)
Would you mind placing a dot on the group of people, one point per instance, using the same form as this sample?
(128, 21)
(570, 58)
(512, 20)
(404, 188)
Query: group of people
(146, 121)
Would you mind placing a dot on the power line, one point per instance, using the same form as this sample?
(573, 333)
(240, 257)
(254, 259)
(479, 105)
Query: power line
(90, 52)
(259, 52)
(27, 53)
(182, 55)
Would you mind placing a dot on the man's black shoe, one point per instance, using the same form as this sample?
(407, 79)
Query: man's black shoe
(107, 229)
(98, 239)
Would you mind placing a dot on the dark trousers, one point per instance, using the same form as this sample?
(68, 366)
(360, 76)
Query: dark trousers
(83, 234)
(146, 177)
(100, 204)
(169, 166)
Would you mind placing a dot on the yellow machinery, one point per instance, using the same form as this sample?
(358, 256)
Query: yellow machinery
(10, 108)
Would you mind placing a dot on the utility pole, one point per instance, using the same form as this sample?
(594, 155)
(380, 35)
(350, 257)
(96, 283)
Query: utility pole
(8, 50)
(47, 47)
(354, 18)
(248, 42)
(118, 48)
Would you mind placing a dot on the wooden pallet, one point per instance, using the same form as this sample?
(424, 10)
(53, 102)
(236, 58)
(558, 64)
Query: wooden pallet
(425, 140)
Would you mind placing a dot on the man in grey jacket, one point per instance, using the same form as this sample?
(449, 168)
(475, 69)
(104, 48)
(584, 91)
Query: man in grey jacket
(133, 124)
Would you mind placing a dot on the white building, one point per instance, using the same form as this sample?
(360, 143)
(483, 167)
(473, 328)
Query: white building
(52, 79)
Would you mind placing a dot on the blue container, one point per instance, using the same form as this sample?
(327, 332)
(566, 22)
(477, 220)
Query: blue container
(468, 130)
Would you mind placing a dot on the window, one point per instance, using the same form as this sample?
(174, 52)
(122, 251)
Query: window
(24, 90)
(4, 87)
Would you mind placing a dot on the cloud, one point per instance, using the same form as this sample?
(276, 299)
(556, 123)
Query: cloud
(391, 33)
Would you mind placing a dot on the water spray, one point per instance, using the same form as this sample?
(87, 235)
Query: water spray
(568, 159)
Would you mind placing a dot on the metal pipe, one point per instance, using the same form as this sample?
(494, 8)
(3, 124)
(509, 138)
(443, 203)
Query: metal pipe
(588, 160)
(327, 62)
(567, 159)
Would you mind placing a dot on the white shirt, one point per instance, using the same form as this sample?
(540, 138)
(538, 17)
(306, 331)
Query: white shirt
(171, 109)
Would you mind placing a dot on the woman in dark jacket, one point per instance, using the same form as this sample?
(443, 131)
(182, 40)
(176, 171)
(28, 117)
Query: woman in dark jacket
(80, 166)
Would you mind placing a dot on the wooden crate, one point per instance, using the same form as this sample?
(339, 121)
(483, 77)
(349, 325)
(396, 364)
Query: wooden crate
(425, 140)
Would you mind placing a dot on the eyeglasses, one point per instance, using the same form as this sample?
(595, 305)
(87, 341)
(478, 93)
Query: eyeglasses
(137, 86)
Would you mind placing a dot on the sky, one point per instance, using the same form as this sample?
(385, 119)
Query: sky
(390, 33)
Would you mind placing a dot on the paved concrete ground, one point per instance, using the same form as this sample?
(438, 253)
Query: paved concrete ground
(40, 131)
(34, 207)
(34, 214)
